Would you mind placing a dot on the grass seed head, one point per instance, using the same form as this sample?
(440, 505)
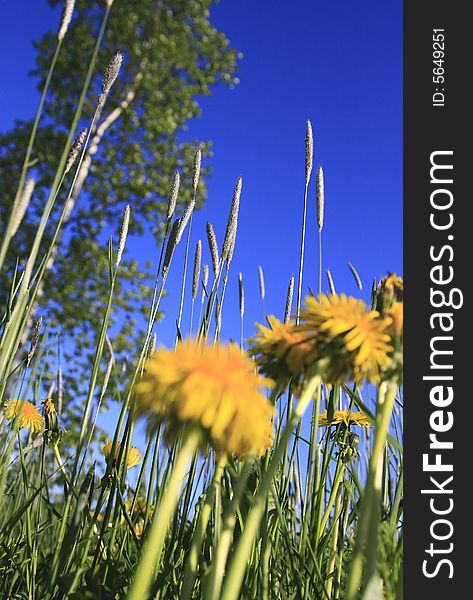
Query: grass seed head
(152, 345)
(357, 278)
(34, 339)
(106, 377)
(110, 76)
(196, 174)
(60, 390)
(67, 11)
(185, 219)
(196, 273)
(331, 285)
(213, 247)
(241, 294)
(205, 280)
(123, 233)
(290, 293)
(319, 192)
(172, 243)
(173, 194)
(75, 150)
(20, 209)
(232, 224)
(309, 150)
(262, 290)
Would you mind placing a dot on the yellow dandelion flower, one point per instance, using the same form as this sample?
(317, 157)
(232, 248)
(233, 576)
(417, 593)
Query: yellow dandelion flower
(48, 407)
(352, 341)
(138, 514)
(30, 417)
(282, 350)
(344, 416)
(134, 456)
(139, 507)
(389, 291)
(393, 286)
(51, 424)
(396, 329)
(213, 388)
(396, 313)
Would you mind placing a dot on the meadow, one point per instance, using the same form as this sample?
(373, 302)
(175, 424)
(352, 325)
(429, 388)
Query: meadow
(273, 464)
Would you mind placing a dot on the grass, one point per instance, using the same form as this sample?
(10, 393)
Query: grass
(319, 515)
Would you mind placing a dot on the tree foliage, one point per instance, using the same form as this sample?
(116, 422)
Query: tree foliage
(173, 55)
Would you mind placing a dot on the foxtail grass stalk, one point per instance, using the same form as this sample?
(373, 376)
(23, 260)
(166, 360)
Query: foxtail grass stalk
(205, 280)
(199, 533)
(150, 559)
(308, 170)
(67, 12)
(241, 299)
(262, 291)
(173, 195)
(331, 284)
(320, 196)
(228, 246)
(289, 295)
(95, 372)
(8, 230)
(94, 375)
(106, 379)
(213, 247)
(320, 260)
(236, 573)
(162, 256)
(368, 520)
(139, 364)
(301, 256)
(183, 284)
(195, 281)
(212, 301)
(22, 206)
(356, 277)
(12, 333)
(312, 466)
(187, 217)
(219, 309)
(123, 234)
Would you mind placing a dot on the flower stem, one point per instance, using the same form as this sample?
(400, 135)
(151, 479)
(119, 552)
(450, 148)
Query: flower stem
(161, 520)
(214, 582)
(234, 579)
(333, 496)
(301, 257)
(368, 521)
(198, 538)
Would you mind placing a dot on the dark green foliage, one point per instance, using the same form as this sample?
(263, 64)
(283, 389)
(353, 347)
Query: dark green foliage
(173, 56)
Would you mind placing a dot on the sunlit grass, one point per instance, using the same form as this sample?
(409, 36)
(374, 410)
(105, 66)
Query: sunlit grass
(230, 498)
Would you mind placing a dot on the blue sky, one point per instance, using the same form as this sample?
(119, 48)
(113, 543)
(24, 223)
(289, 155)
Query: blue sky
(336, 63)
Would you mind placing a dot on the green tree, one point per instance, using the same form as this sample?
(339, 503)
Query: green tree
(173, 55)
